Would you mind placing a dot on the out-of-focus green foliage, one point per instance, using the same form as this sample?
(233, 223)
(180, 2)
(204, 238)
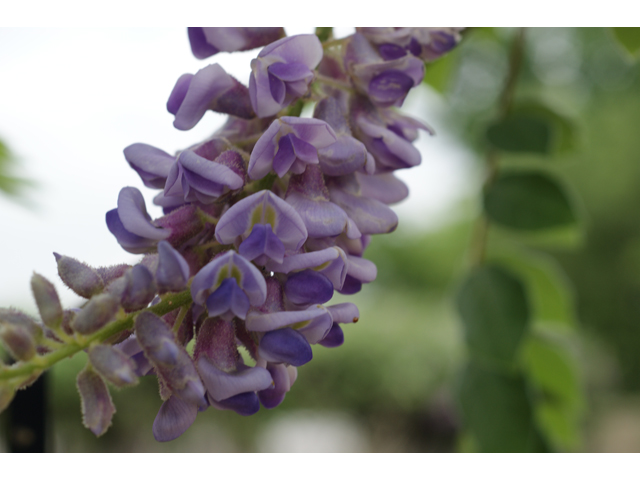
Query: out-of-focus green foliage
(10, 185)
(629, 38)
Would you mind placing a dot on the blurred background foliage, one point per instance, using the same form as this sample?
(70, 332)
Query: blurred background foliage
(395, 384)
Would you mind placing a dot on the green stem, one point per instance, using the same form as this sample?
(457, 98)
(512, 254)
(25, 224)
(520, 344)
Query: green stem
(124, 322)
(332, 82)
(180, 319)
(481, 230)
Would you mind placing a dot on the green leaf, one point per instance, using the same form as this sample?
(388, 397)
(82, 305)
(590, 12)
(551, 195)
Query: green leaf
(497, 410)
(528, 201)
(564, 136)
(547, 287)
(629, 38)
(438, 74)
(521, 132)
(494, 310)
(560, 401)
(324, 33)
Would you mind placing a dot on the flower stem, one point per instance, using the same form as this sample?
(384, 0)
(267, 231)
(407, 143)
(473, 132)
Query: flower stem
(123, 322)
(481, 230)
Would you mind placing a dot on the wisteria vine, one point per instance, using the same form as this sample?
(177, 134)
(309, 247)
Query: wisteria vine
(262, 222)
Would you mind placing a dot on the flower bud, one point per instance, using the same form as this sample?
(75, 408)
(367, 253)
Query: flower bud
(113, 365)
(139, 290)
(47, 300)
(285, 345)
(18, 341)
(172, 274)
(96, 404)
(10, 316)
(78, 276)
(100, 310)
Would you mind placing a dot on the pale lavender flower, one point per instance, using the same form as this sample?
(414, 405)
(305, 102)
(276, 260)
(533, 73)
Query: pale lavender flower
(211, 88)
(207, 41)
(289, 144)
(282, 72)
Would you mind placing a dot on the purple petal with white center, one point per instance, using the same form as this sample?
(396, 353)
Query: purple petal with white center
(133, 215)
(361, 269)
(272, 397)
(172, 274)
(151, 163)
(229, 265)
(244, 404)
(285, 345)
(174, 418)
(222, 385)
(261, 245)
(317, 329)
(384, 187)
(389, 87)
(344, 313)
(369, 215)
(228, 297)
(263, 207)
(334, 338)
(265, 322)
(308, 287)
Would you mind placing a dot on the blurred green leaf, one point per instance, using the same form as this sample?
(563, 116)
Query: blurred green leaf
(560, 402)
(547, 287)
(494, 310)
(438, 74)
(498, 411)
(521, 132)
(629, 38)
(324, 33)
(528, 201)
(563, 129)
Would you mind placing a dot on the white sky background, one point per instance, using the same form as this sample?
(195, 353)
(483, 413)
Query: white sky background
(72, 99)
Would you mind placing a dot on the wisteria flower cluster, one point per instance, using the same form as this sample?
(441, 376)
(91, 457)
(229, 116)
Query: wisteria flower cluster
(262, 222)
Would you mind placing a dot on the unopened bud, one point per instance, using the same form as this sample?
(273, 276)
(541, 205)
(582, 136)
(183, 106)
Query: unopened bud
(10, 316)
(78, 276)
(172, 274)
(140, 288)
(113, 365)
(47, 300)
(97, 407)
(100, 310)
(18, 341)
(109, 274)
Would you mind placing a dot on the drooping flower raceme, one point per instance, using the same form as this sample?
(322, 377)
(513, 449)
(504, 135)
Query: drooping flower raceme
(263, 221)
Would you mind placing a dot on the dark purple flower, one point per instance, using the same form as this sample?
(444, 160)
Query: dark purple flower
(222, 385)
(282, 72)
(211, 88)
(245, 286)
(207, 41)
(283, 378)
(285, 345)
(385, 82)
(334, 338)
(308, 287)
(427, 43)
(331, 262)
(290, 143)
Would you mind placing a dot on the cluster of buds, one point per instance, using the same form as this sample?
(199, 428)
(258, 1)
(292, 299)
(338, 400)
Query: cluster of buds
(262, 222)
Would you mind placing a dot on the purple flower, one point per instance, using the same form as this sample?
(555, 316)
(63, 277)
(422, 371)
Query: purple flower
(193, 178)
(384, 187)
(228, 285)
(282, 72)
(331, 262)
(207, 41)
(290, 143)
(308, 194)
(285, 345)
(428, 43)
(283, 378)
(385, 82)
(151, 163)
(267, 226)
(211, 88)
(388, 136)
(131, 224)
(172, 273)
